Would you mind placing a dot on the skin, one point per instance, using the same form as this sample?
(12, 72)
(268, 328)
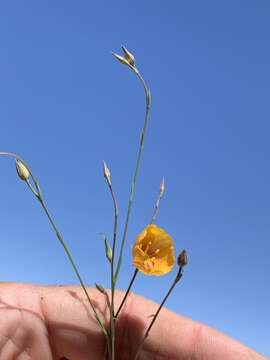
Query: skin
(54, 322)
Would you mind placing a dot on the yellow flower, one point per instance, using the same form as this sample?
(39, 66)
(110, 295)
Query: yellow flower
(153, 252)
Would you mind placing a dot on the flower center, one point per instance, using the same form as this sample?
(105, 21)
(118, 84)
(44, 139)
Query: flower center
(149, 264)
(145, 247)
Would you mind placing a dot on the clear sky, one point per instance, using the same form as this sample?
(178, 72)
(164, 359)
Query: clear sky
(66, 104)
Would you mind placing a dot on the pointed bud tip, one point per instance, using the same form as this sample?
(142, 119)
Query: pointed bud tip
(162, 186)
(128, 56)
(106, 171)
(100, 288)
(120, 58)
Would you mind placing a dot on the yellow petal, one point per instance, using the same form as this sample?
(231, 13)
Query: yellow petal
(153, 251)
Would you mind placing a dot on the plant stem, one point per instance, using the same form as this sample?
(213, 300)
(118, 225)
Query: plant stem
(127, 292)
(156, 208)
(137, 167)
(112, 318)
(37, 193)
(176, 280)
(72, 263)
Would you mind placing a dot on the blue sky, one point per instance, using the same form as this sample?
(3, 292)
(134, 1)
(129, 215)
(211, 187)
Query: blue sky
(66, 104)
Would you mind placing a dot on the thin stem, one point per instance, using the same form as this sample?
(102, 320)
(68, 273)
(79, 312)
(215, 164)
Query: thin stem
(37, 193)
(72, 263)
(112, 319)
(137, 167)
(11, 154)
(156, 208)
(116, 212)
(127, 292)
(176, 280)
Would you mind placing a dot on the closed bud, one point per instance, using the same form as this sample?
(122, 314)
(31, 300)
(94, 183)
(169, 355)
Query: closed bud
(100, 288)
(182, 259)
(121, 59)
(22, 170)
(162, 187)
(128, 56)
(106, 172)
(108, 250)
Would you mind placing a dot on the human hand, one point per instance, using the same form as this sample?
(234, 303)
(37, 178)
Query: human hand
(54, 322)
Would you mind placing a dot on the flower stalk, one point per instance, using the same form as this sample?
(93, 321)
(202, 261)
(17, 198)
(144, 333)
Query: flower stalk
(157, 204)
(176, 280)
(107, 176)
(127, 292)
(35, 189)
(139, 155)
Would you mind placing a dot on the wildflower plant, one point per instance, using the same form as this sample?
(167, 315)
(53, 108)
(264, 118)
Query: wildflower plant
(153, 249)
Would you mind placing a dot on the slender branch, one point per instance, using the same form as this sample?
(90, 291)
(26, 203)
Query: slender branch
(37, 193)
(176, 280)
(112, 273)
(137, 167)
(116, 212)
(127, 292)
(72, 263)
(156, 208)
(11, 154)
(112, 319)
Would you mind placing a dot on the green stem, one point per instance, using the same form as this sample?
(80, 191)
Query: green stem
(37, 193)
(127, 292)
(72, 263)
(176, 280)
(112, 318)
(156, 208)
(137, 167)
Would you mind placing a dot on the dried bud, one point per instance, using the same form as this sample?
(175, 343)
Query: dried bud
(22, 170)
(182, 259)
(128, 56)
(106, 172)
(162, 187)
(108, 250)
(121, 59)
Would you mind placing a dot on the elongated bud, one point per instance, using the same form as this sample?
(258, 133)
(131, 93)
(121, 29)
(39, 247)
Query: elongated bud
(162, 187)
(182, 259)
(121, 59)
(106, 172)
(22, 170)
(100, 288)
(128, 56)
(108, 250)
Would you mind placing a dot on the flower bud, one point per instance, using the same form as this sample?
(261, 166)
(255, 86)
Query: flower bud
(182, 259)
(121, 59)
(108, 250)
(106, 172)
(162, 187)
(128, 56)
(100, 288)
(22, 170)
